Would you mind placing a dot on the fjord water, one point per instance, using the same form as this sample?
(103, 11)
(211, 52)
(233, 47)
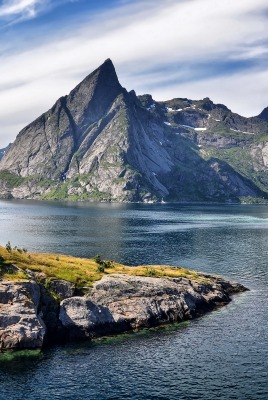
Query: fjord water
(223, 355)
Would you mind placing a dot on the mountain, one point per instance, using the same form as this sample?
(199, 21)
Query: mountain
(106, 144)
(264, 115)
(3, 151)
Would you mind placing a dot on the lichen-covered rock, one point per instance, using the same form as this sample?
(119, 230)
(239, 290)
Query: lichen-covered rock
(62, 288)
(31, 315)
(122, 302)
(20, 324)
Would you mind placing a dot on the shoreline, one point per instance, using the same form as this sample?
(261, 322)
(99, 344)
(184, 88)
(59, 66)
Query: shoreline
(41, 308)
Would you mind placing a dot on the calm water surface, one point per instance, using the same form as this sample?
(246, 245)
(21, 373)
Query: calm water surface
(223, 355)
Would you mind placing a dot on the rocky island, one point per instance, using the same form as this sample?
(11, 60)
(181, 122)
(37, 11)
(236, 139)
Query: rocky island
(46, 298)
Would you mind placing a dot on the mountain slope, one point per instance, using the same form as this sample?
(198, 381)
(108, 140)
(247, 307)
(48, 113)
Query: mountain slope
(3, 151)
(103, 143)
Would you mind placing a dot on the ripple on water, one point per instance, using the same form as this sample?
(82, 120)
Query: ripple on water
(222, 355)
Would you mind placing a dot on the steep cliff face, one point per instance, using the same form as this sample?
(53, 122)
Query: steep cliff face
(103, 143)
(46, 146)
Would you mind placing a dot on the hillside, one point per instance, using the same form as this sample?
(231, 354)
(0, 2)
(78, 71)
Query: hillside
(102, 143)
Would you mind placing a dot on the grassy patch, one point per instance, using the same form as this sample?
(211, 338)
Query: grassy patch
(12, 180)
(242, 161)
(82, 271)
(17, 355)
(263, 138)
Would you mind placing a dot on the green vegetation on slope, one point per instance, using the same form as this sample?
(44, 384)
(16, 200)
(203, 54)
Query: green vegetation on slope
(80, 271)
(12, 180)
(242, 161)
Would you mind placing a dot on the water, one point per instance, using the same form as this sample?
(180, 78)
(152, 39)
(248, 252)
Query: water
(223, 355)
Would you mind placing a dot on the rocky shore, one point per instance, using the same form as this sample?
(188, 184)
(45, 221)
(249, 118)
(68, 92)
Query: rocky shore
(35, 313)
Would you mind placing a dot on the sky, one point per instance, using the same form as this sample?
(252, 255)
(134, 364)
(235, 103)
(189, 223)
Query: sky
(168, 48)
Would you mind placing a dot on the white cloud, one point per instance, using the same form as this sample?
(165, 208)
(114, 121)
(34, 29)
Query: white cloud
(22, 8)
(244, 94)
(143, 40)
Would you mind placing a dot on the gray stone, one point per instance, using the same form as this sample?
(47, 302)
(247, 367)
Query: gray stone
(20, 324)
(120, 302)
(63, 289)
(102, 143)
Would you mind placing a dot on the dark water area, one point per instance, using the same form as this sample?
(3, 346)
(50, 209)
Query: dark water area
(223, 355)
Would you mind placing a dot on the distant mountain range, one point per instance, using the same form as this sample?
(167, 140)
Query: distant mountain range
(3, 151)
(102, 143)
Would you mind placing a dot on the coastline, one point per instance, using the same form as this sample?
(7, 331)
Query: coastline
(38, 309)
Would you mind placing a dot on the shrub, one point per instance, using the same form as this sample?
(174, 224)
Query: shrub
(100, 268)
(97, 259)
(150, 271)
(102, 264)
(8, 247)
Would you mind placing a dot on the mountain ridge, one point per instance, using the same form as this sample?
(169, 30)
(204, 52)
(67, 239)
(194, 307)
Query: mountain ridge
(103, 143)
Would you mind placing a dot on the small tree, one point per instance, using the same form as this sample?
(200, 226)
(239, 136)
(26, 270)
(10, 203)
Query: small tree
(8, 247)
(97, 259)
(101, 268)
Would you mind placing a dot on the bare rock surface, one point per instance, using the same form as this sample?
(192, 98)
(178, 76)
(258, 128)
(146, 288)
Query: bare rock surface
(35, 314)
(121, 302)
(102, 143)
(20, 324)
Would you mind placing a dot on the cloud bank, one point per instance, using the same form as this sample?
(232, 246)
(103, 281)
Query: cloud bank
(191, 48)
(18, 10)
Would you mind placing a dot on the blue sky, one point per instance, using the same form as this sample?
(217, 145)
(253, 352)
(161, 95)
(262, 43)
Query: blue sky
(170, 48)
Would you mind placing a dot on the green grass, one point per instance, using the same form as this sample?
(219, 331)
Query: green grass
(16, 355)
(12, 180)
(241, 160)
(263, 138)
(82, 271)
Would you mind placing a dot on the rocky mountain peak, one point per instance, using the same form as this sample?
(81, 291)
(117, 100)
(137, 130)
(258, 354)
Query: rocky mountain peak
(103, 143)
(89, 100)
(264, 114)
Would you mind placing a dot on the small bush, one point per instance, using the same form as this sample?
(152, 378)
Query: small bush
(100, 268)
(102, 264)
(107, 264)
(97, 259)
(8, 247)
(150, 271)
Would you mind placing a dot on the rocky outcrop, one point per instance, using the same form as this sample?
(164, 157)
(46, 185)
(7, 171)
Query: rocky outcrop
(264, 115)
(32, 314)
(102, 143)
(20, 324)
(120, 303)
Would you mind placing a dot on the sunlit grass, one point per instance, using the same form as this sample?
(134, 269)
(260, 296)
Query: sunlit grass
(82, 271)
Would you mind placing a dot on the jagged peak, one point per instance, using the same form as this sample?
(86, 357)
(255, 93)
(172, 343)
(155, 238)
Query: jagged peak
(105, 72)
(91, 98)
(264, 114)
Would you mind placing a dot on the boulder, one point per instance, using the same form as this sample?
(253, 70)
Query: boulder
(20, 324)
(119, 303)
(62, 288)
